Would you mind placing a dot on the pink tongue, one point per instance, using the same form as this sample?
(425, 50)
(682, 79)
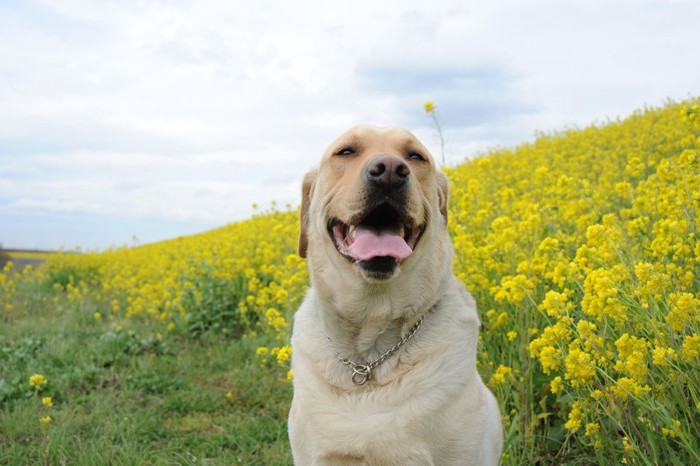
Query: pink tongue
(369, 244)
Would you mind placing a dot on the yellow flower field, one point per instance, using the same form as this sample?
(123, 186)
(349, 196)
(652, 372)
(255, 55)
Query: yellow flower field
(581, 249)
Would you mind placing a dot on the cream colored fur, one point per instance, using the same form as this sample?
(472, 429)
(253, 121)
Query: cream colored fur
(426, 404)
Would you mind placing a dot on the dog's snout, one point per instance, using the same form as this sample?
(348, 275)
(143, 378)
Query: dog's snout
(388, 171)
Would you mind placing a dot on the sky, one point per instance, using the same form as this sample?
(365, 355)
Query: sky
(129, 122)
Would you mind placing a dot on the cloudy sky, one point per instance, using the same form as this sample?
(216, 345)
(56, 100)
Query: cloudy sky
(136, 121)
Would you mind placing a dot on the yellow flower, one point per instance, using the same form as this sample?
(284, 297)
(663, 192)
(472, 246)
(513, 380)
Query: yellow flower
(555, 384)
(555, 304)
(580, 367)
(512, 335)
(627, 445)
(37, 381)
(635, 167)
(45, 419)
(592, 428)
(283, 354)
(575, 417)
(513, 289)
(690, 349)
(673, 430)
(661, 356)
(550, 358)
(499, 377)
(47, 401)
(625, 387)
(684, 309)
(429, 106)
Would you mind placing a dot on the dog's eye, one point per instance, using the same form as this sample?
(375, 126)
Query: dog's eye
(415, 155)
(346, 151)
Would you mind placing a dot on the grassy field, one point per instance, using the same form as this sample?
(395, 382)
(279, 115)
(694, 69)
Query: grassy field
(16, 254)
(132, 395)
(581, 249)
(22, 258)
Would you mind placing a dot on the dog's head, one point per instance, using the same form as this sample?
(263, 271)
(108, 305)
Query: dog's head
(373, 204)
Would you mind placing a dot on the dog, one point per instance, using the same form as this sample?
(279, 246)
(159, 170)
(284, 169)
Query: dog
(384, 343)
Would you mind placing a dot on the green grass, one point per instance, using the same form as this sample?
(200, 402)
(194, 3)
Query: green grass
(131, 396)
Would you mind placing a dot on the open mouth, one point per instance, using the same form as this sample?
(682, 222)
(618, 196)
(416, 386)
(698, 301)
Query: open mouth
(379, 240)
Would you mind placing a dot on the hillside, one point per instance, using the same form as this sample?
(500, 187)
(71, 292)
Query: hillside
(581, 249)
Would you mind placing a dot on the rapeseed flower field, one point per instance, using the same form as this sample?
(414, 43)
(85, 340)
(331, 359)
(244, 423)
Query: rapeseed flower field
(581, 249)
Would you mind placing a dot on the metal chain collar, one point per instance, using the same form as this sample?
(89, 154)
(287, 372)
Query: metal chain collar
(361, 373)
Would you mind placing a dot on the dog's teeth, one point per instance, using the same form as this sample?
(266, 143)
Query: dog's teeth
(402, 230)
(350, 237)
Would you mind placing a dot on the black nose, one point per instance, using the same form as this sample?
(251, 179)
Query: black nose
(388, 171)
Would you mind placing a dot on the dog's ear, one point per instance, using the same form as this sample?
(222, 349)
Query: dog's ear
(443, 193)
(307, 187)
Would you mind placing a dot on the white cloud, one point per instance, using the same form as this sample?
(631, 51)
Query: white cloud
(189, 112)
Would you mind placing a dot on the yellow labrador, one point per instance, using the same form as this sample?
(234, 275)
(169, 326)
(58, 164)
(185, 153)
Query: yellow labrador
(384, 344)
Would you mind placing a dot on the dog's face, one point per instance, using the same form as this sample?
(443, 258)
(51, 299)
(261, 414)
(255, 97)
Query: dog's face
(373, 204)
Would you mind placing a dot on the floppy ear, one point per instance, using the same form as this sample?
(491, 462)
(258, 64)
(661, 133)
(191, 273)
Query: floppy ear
(443, 193)
(306, 190)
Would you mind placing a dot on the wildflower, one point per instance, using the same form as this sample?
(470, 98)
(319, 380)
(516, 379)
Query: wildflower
(668, 432)
(592, 428)
(283, 354)
(47, 401)
(555, 304)
(632, 352)
(546, 346)
(431, 109)
(275, 319)
(623, 189)
(684, 309)
(575, 418)
(624, 387)
(513, 289)
(689, 158)
(627, 445)
(635, 167)
(37, 381)
(499, 377)
(601, 296)
(580, 367)
(45, 419)
(550, 358)
(691, 113)
(690, 349)
(661, 356)
(512, 335)
(673, 430)
(555, 385)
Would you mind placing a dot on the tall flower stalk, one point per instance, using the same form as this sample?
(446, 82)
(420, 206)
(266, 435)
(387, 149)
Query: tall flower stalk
(431, 109)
